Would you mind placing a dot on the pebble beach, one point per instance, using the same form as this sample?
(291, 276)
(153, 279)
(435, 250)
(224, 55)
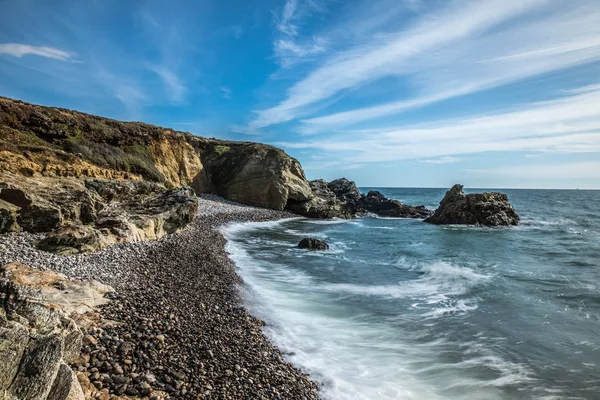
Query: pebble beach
(181, 327)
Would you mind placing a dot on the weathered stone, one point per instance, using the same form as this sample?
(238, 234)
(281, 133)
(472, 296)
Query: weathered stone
(66, 385)
(8, 217)
(252, 173)
(40, 217)
(375, 202)
(491, 209)
(72, 239)
(13, 342)
(313, 244)
(324, 203)
(38, 368)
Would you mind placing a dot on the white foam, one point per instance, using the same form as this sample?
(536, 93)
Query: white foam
(352, 359)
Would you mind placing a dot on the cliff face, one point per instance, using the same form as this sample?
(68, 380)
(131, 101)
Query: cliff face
(52, 142)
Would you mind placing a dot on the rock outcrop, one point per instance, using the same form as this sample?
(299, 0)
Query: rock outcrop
(489, 209)
(313, 244)
(252, 173)
(86, 216)
(341, 198)
(38, 337)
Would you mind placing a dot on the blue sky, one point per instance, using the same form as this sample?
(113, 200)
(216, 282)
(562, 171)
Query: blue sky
(488, 93)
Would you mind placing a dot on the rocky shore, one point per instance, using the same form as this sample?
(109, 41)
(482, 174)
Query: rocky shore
(179, 327)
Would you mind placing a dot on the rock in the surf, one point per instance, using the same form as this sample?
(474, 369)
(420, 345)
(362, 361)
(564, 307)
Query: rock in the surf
(489, 209)
(313, 244)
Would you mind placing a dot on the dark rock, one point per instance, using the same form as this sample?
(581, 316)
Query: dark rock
(14, 195)
(342, 199)
(72, 239)
(313, 244)
(375, 202)
(490, 209)
(40, 217)
(8, 218)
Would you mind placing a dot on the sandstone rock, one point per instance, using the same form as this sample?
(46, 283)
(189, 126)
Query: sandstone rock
(490, 209)
(253, 174)
(73, 239)
(313, 244)
(324, 204)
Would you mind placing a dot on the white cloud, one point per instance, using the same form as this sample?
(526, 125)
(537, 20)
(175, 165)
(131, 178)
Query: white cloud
(569, 124)
(20, 50)
(225, 92)
(375, 59)
(175, 88)
(551, 41)
(288, 47)
(442, 160)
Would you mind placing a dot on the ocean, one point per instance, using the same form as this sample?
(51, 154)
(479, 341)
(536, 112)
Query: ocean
(401, 309)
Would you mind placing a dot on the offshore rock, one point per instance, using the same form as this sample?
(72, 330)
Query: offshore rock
(375, 202)
(341, 198)
(489, 209)
(313, 244)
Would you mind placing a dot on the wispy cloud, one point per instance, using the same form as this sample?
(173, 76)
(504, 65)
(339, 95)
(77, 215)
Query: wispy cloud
(289, 47)
(225, 92)
(175, 88)
(569, 124)
(20, 50)
(442, 160)
(452, 52)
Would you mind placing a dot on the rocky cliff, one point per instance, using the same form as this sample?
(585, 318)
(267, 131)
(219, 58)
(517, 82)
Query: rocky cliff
(38, 141)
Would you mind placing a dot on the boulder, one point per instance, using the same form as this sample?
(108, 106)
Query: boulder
(375, 202)
(324, 203)
(345, 190)
(72, 239)
(8, 217)
(40, 216)
(252, 173)
(489, 209)
(313, 244)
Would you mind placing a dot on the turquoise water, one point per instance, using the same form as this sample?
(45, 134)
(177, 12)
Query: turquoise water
(400, 309)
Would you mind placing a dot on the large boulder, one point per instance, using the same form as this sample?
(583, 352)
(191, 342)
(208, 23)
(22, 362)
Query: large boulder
(252, 173)
(489, 209)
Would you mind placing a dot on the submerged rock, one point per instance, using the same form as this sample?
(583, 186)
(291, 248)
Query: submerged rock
(313, 244)
(375, 202)
(489, 209)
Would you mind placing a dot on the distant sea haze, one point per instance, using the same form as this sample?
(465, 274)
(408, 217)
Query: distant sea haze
(401, 309)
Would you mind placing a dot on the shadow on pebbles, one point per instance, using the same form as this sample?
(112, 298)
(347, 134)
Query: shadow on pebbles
(180, 325)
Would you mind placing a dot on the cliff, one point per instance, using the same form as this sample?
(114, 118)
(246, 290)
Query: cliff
(53, 142)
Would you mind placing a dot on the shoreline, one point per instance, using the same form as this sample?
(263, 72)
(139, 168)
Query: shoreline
(183, 326)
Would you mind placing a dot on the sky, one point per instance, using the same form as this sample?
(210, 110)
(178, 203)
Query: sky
(402, 93)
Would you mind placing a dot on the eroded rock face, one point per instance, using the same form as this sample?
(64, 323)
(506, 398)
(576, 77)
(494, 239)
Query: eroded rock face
(342, 199)
(324, 204)
(313, 244)
(87, 216)
(37, 337)
(489, 209)
(252, 173)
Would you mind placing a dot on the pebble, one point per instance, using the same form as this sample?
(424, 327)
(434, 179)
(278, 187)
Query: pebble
(183, 287)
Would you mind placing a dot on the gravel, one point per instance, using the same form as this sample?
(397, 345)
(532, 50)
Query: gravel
(183, 329)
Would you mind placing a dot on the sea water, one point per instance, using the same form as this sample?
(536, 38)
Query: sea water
(401, 309)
